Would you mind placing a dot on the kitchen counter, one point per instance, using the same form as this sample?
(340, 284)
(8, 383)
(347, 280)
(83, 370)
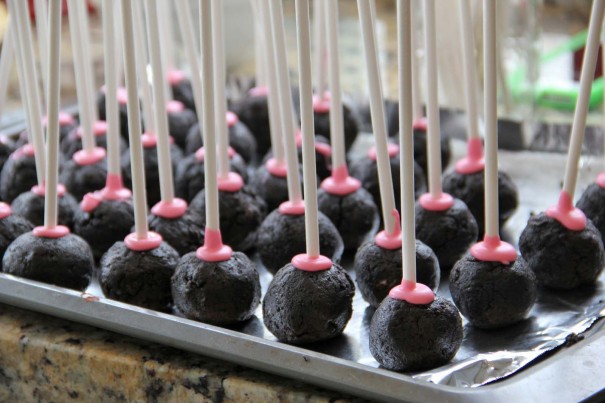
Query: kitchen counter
(43, 358)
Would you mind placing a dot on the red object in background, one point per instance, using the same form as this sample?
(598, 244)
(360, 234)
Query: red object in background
(32, 13)
(578, 56)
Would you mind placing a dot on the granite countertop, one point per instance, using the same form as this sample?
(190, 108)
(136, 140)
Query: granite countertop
(43, 358)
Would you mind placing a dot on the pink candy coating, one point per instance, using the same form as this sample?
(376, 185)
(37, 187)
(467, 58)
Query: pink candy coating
(320, 148)
(390, 241)
(441, 203)
(259, 91)
(122, 96)
(340, 183)
(321, 105)
(199, 154)
(57, 232)
(492, 249)
(40, 190)
(474, 161)
(175, 107)
(99, 128)
(232, 183)
(152, 241)
(26, 150)
(176, 76)
(413, 293)
(91, 201)
(5, 210)
(64, 119)
(173, 209)
(214, 250)
(311, 263)
(149, 140)
(232, 119)
(113, 190)
(291, 208)
(601, 180)
(84, 157)
(392, 149)
(420, 124)
(275, 168)
(569, 216)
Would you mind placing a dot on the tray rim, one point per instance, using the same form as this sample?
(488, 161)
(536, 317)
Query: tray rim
(274, 357)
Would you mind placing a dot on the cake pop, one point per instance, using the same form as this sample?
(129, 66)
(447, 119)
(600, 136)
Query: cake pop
(591, 203)
(444, 223)
(86, 170)
(466, 180)
(138, 270)
(107, 216)
(49, 253)
(214, 284)
(561, 246)
(288, 221)
(11, 227)
(18, 173)
(310, 276)
(242, 211)
(412, 329)
(341, 197)
(491, 286)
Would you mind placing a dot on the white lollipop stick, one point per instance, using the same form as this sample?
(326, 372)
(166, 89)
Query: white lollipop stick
(579, 119)
(41, 12)
(275, 117)
(84, 25)
(434, 129)
(160, 115)
(470, 71)
(21, 75)
(259, 45)
(142, 60)
(285, 101)
(208, 119)
(111, 81)
(167, 43)
(378, 117)
(29, 75)
(220, 101)
(82, 89)
(320, 47)
(6, 64)
(307, 127)
(119, 59)
(187, 34)
(134, 123)
(52, 127)
(416, 82)
(406, 139)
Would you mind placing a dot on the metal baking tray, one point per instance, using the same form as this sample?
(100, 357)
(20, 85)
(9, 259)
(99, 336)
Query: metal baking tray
(567, 368)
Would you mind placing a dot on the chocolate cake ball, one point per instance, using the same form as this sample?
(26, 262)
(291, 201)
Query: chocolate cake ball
(351, 126)
(559, 257)
(185, 234)
(123, 113)
(66, 261)
(272, 189)
(7, 147)
(448, 233)
(72, 143)
(107, 224)
(304, 307)
(152, 174)
(190, 175)
(408, 337)
(82, 179)
(18, 175)
(366, 170)
(591, 203)
(240, 139)
(30, 206)
(470, 188)
(220, 293)
(179, 125)
(11, 227)
(182, 91)
(139, 278)
(492, 294)
(242, 213)
(355, 215)
(253, 111)
(378, 270)
(420, 149)
(282, 236)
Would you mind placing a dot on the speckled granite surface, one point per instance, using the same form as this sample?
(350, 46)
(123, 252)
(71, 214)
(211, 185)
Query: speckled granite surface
(48, 359)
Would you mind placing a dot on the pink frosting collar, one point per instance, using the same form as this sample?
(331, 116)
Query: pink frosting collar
(259, 91)
(214, 250)
(176, 77)
(171, 210)
(601, 180)
(84, 157)
(5, 210)
(413, 293)
(321, 105)
(474, 161)
(492, 249)
(292, 208)
(340, 183)
(390, 241)
(569, 216)
(232, 183)
(439, 203)
(136, 244)
(40, 190)
(232, 119)
(199, 154)
(311, 263)
(392, 150)
(53, 233)
(276, 168)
